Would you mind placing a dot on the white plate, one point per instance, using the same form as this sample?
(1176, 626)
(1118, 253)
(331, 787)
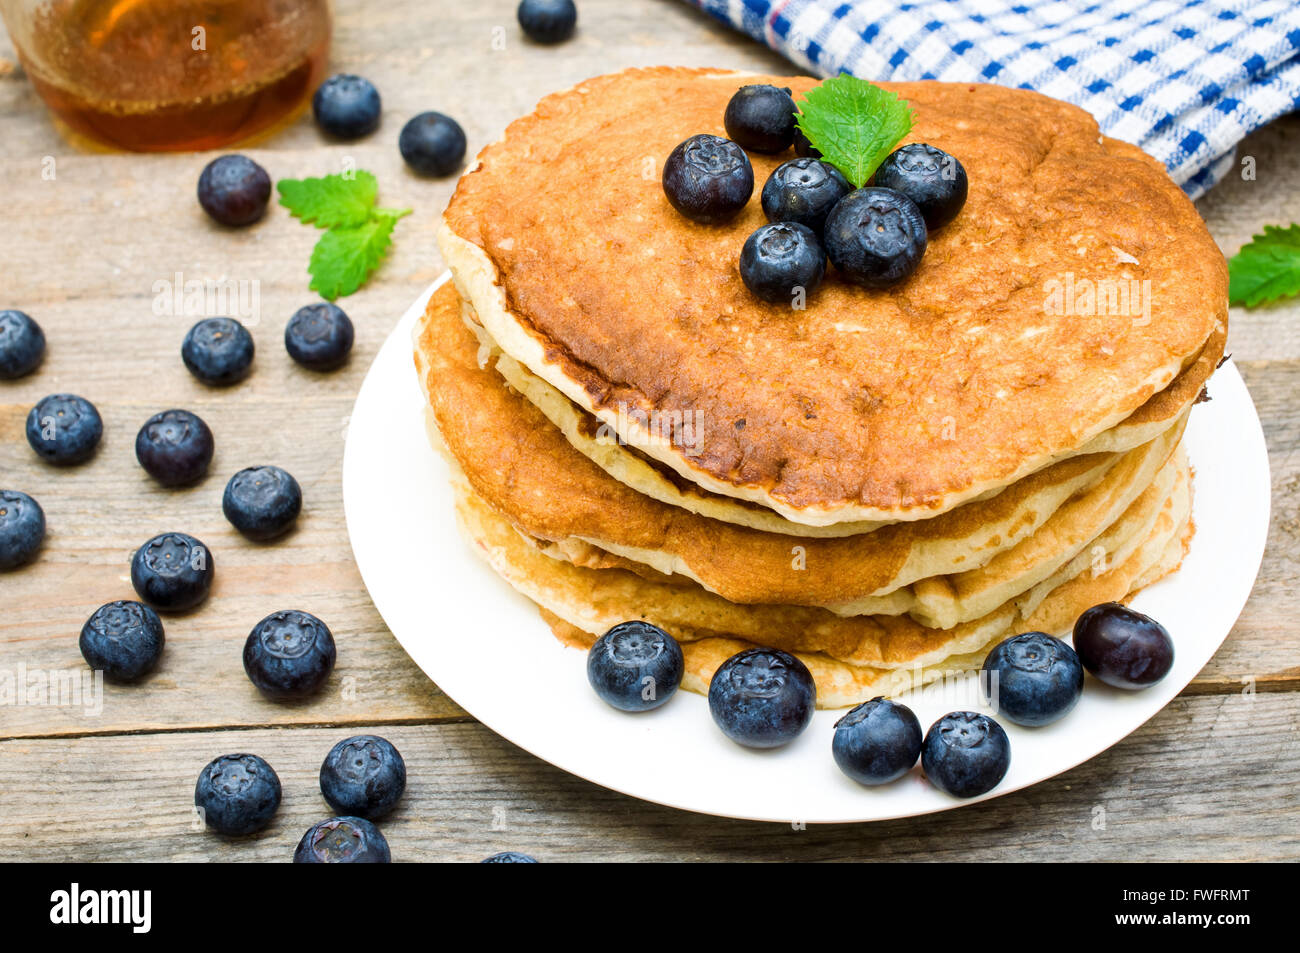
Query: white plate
(487, 647)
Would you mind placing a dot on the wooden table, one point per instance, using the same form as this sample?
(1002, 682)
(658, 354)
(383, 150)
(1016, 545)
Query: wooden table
(1212, 776)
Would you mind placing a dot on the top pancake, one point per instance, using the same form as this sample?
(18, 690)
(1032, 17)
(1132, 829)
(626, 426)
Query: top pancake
(868, 405)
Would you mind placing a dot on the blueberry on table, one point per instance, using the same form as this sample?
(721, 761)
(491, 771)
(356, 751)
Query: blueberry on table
(124, 640)
(965, 754)
(262, 502)
(343, 840)
(175, 447)
(1123, 647)
(877, 742)
(237, 794)
(22, 529)
(1032, 679)
(234, 190)
(708, 179)
(22, 345)
(509, 857)
(346, 106)
(173, 572)
(432, 144)
(780, 260)
(762, 698)
(804, 191)
(218, 351)
(547, 21)
(635, 666)
(64, 429)
(319, 336)
(761, 118)
(930, 177)
(875, 237)
(363, 776)
(289, 655)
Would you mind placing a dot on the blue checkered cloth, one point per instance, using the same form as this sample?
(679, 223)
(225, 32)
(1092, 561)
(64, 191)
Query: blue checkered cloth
(1184, 79)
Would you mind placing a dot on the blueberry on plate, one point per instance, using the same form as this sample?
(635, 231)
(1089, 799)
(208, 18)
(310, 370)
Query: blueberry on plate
(877, 742)
(289, 655)
(432, 144)
(761, 118)
(363, 776)
(262, 502)
(1032, 679)
(22, 345)
(124, 640)
(965, 754)
(346, 106)
(635, 666)
(509, 857)
(234, 190)
(1122, 647)
(804, 191)
(22, 529)
(319, 336)
(762, 698)
(173, 572)
(343, 840)
(930, 177)
(547, 21)
(174, 447)
(64, 429)
(803, 146)
(780, 260)
(237, 794)
(218, 351)
(708, 179)
(875, 237)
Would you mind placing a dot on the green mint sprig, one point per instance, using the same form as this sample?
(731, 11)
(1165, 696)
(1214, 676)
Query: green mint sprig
(1267, 268)
(357, 232)
(854, 124)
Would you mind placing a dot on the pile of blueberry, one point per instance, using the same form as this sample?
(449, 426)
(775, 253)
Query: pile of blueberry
(874, 236)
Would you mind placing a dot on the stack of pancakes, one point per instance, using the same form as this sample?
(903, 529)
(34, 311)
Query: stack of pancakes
(884, 483)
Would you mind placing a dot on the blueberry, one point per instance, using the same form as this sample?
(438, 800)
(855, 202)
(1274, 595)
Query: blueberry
(803, 147)
(547, 21)
(363, 776)
(1123, 647)
(877, 742)
(432, 144)
(64, 429)
(319, 336)
(237, 794)
(173, 572)
(1032, 679)
(218, 351)
(289, 655)
(22, 529)
(635, 666)
(965, 754)
(708, 179)
(509, 857)
(762, 698)
(262, 502)
(930, 177)
(875, 237)
(780, 260)
(804, 191)
(346, 106)
(761, 118)
(234, 190)
(22, 345)
(174, 447)
(343, 840)
(124, 640)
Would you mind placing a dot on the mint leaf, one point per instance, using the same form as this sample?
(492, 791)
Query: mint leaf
(345, 257)
(1267, 268)
(335, 200)
(855, 124)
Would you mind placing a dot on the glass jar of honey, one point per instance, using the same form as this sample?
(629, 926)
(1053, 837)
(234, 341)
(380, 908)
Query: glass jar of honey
(171, 75)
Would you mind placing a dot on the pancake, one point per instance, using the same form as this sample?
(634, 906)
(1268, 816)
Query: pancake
(869, 405)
